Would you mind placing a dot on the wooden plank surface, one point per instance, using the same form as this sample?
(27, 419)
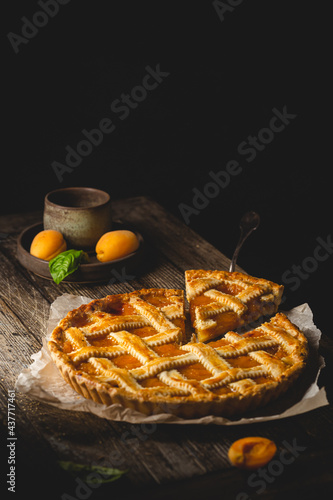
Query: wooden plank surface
(161, 460)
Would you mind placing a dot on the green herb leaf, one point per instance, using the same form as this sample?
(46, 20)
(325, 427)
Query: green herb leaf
(93, 474)
(66, 263)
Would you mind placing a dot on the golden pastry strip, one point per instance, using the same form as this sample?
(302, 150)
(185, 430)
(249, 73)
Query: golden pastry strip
(106, 369)
(208, 357)
(101, 352)
(107, 323)
(228, 301)
(174, 335)
(159, 365)
(201, 286)
(156, 318)
(252, 292)
(135, 346)
(76, 338)
(240, 346)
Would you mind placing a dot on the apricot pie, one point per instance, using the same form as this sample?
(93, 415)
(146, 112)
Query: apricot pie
(221, 301)
(131, 349)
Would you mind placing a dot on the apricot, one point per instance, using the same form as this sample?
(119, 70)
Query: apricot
(48, 244)
(116, 244)
(251, 452)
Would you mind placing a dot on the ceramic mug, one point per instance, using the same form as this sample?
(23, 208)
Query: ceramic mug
(81, 214)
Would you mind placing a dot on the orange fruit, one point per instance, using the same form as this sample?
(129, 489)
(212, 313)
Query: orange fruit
(48, 244)
(116, 244)
(251, 452)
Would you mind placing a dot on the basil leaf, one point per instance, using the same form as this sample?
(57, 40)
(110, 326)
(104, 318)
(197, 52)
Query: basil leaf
(66, 263)
(106, 474)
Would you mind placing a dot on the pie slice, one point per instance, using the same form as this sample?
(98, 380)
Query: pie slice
(129, 349)
(221, 301)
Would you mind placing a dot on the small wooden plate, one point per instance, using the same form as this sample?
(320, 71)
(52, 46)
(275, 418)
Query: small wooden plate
(92, 272)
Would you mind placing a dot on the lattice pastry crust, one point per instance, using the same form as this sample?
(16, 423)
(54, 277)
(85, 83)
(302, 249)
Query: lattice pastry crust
(221, 301)
(129, 349)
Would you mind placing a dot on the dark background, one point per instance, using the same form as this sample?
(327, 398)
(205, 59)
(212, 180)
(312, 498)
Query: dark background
(225, 78)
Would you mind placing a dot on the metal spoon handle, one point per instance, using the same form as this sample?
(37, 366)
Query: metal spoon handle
(249, 222)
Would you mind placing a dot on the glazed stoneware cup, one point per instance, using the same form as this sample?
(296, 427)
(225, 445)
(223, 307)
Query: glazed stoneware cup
(81, 214)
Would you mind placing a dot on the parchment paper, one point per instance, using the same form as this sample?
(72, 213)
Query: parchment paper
(42, 380)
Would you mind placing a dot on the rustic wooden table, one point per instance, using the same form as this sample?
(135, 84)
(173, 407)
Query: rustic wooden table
(161, 460)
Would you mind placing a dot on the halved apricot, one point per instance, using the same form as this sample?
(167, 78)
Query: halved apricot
(251, 452)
